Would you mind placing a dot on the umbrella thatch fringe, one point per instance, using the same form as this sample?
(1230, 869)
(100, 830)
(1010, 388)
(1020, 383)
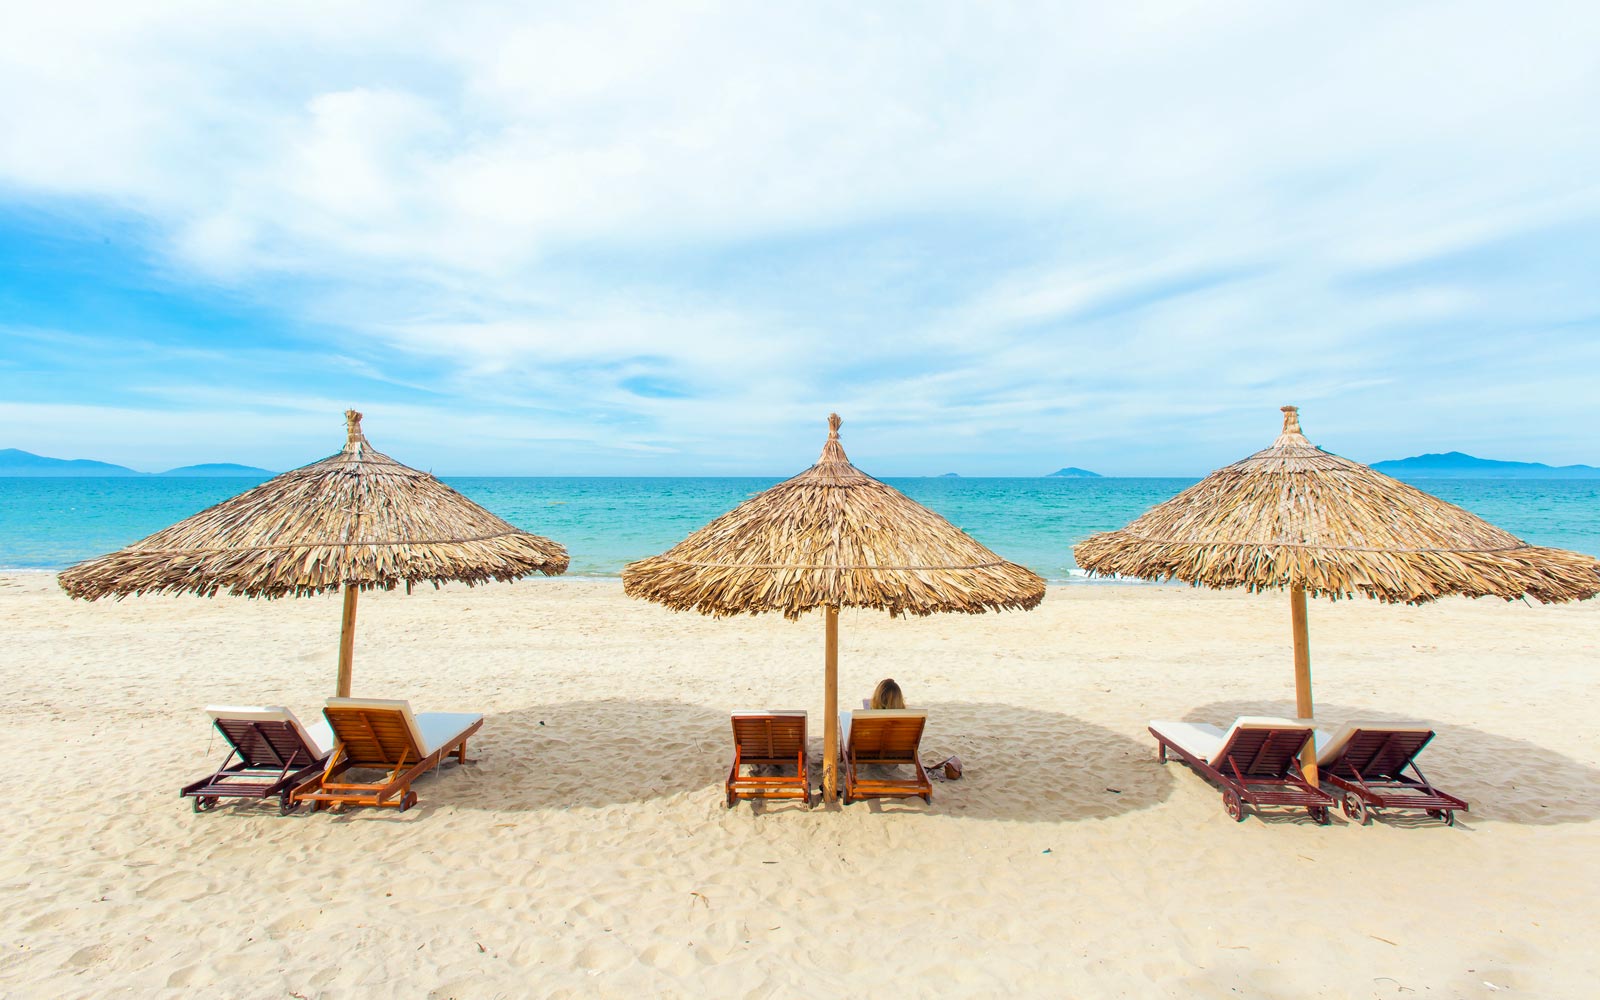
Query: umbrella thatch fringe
(1547, 575)
(832, 537)
(1295, 516)
(357, 519)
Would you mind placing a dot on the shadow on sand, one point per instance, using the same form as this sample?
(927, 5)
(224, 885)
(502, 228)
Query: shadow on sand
(1020, 763)
(1029, 764)
(1504, 779)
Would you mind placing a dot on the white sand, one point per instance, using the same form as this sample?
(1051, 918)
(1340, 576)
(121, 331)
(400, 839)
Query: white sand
(589, 853)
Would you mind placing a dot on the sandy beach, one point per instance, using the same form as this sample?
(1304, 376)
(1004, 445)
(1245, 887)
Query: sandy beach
(588, 851)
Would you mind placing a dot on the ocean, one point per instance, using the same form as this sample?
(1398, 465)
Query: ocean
(49, 523)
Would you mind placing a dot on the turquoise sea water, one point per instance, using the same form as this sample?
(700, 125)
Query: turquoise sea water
(604, 523)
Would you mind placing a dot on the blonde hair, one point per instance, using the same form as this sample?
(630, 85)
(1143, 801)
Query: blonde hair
(887, 695)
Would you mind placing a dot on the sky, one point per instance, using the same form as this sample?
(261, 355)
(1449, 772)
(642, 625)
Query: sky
(651, 239)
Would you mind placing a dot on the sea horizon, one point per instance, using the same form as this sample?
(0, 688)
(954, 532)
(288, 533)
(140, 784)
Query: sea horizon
(49, 523)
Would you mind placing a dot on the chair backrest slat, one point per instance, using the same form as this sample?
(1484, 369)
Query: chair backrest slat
(1379, 753)
(263, 743)
(886, 739)
(769, 738)
(1261, 752)
(373, 737)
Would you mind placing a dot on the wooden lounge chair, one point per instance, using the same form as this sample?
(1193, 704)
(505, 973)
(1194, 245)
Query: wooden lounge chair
(1256, 762)
(882, 737)
(769, 740)
(1368, 761)
(276, 755)
(380, 735)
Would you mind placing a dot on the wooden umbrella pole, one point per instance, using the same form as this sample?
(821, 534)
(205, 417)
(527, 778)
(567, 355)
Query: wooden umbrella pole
(347, 641)
(830, 711)
(1302, 676)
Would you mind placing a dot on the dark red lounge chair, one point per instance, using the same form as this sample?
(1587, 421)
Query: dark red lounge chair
(1368, 761)
(276, 756)
(1256, 762)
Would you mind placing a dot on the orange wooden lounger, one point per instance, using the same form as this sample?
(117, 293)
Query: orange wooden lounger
(769, 739)
(380, 735)
(886, 737)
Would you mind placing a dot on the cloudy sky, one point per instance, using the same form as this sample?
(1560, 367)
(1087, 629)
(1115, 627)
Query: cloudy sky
(657, 239)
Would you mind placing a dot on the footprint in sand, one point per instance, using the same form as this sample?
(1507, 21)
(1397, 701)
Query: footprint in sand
(295, 922)
(83, 958)
(185, 887)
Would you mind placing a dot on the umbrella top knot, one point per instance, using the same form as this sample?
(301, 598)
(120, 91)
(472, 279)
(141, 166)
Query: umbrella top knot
(352, 426)
(1291, 419)
(1291, 437)
(833, 461)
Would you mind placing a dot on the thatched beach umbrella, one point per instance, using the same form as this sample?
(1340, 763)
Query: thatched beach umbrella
(357, 520)
(1296, 517)
(831, 537)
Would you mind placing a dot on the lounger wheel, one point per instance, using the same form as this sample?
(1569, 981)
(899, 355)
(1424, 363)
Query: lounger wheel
(408, 800)
(204, 803)
(1355, 807)
(1445, 816)
(1322, 815)
(286, 805)
(1233, 804)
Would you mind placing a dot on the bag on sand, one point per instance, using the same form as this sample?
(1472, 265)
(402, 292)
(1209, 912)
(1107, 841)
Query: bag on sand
(951, 766)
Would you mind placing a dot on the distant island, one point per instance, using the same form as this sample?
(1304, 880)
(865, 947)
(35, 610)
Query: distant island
(16, 462)
(216, 469)
(951, 475)
(1072, 472)
(1455, 465)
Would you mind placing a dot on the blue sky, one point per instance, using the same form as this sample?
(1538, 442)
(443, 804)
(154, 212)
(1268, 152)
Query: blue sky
(998, 239)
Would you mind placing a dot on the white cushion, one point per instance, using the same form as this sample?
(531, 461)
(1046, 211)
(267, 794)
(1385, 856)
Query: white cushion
(758, 713)
(1206, 741)
(440, 728)
(1330, 748)
(318, 736)
(1199, 739)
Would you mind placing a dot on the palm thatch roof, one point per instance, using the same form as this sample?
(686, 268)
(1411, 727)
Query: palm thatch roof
(355, 519)
(1293, 515)
(831, 537)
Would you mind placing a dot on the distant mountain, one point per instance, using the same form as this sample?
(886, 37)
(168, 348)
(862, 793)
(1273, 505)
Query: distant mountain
(951, 475)
(217, 469)
(15, 462)
(1455, 465)
(1071, 472)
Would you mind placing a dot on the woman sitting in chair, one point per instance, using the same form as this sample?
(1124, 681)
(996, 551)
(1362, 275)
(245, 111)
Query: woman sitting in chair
(887, 695)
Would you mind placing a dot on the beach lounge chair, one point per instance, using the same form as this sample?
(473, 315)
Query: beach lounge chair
(380, 735)
(1368, 761)
(768, 740)
(1256, 762)
(881, 738)
(276, 755)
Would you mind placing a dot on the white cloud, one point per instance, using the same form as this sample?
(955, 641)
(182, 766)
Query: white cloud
(542, 203)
